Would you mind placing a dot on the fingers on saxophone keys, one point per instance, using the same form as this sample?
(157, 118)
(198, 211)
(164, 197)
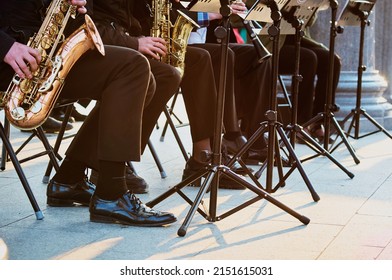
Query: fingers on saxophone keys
(159, 48)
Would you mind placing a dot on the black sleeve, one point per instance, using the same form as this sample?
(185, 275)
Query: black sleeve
(6, 43)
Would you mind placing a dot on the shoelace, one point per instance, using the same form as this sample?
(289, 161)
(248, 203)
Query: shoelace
(139, 205)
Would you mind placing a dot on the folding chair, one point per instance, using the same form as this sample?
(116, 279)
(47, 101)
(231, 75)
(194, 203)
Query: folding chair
(38, 132)
(9, 153)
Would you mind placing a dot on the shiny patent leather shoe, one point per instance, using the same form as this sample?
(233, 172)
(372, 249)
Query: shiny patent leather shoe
(128, 210)
(59, 194)
(192, 167)
(256, 157)
(59, 115)
(233, 146)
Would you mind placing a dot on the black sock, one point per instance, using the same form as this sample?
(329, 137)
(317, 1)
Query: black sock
(70, 172)
(232, 135)
(111, 180)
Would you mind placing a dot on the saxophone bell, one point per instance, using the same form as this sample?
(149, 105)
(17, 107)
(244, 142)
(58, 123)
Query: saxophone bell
(28, 102)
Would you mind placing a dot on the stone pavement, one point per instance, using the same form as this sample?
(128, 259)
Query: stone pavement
(352, 220)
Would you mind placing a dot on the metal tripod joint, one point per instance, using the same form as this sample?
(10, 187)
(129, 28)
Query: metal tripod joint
(271, 116)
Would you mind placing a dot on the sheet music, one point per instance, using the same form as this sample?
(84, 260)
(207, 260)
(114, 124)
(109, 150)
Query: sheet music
(322, 4)
(207, 6)
(303, 10)
(348, 16)
(260, 12)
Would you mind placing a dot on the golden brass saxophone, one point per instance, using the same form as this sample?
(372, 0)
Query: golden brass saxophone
(176, 36)
(28, 102)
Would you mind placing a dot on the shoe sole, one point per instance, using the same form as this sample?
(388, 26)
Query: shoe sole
(109, 220)
(56, 202)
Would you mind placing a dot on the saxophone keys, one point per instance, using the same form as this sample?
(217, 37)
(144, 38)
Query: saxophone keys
(26, 85)
(46, 42)
(36, 107)
(18, 113)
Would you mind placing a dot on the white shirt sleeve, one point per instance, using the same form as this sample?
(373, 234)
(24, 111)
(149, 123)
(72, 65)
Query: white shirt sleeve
(198, 37)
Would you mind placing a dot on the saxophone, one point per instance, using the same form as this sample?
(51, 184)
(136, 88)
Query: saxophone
(176, 36)
(28, 102)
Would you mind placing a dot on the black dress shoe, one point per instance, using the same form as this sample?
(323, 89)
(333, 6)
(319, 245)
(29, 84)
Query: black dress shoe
(78, 116)
(51, 125)
(59, 194)
(135, 183)
(128, 210)
(192, 167)
(256, 157)
(236, 167)
(335, 108)
(60, 115)
(233, 146)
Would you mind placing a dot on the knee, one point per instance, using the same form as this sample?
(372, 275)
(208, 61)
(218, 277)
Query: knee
(150, 90)
(136, 58)
(133, 67)
(195, 56)
(337, 63)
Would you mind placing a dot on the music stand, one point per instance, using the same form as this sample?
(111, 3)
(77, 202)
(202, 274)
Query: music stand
(213, 171)
(297, 16)
(271, 125)
(327, 116)
(357, 13)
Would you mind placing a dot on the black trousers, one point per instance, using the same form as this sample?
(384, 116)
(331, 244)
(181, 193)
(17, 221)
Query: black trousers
(248, 87)
(198, 89)
(253, 83)
(307, 69)
(314, 66)
(230, 119)
(121, 83)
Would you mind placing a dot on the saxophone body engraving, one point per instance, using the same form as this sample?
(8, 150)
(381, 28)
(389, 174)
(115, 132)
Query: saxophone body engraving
(28, 102)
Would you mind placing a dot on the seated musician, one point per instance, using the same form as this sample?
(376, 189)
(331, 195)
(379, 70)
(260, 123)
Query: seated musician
(121, 83)
(128, 24)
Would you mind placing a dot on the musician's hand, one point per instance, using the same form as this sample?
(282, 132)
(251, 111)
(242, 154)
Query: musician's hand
(213, 16)
(80, 4)
(238, 7)
(23, 59)
(152, 46)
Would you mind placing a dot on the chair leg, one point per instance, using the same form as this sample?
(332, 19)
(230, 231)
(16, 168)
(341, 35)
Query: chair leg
(170, 114)
(156, 158)
(174, 130)
(38, 213)
(51, 153)
(4, 154)
(56, 147)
